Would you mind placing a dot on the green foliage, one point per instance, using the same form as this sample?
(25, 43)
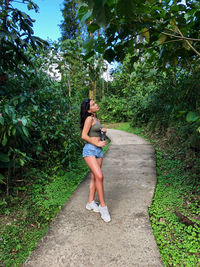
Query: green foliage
(38, 118)
(114, 109)
(39, 112)
(16, 34)
(70, 62)
(178, 243)
(28, 221)
(160, 98)
(174, 212)
(138, 25)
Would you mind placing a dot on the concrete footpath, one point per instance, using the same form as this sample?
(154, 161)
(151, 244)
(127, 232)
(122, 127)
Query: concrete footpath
(80, 238)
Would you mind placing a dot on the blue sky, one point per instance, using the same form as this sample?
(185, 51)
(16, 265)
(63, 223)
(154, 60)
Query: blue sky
(47, 20)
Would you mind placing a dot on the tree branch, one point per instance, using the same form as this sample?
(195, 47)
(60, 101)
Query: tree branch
(171, 41)
(180, 37)
(189, 43)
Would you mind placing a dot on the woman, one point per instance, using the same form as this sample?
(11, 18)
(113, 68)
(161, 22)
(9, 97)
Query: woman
(93, 156)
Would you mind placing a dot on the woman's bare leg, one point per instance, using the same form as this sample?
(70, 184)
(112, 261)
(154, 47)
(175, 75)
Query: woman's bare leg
(92, 187)
(94, 165)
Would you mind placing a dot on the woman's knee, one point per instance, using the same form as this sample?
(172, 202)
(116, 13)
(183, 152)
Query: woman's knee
(99, 176)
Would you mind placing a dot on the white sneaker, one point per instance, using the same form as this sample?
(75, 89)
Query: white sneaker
(92, 206)
(104, 213)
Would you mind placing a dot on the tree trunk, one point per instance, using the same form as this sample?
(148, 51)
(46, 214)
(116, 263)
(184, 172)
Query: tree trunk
(102, 90)
(92, 90)
(91, 94)
(95, 90)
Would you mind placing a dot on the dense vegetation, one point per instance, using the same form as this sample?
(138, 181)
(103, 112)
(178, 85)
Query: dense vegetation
(155, 87)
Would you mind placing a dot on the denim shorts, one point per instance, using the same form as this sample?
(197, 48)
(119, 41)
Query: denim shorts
(92, 150)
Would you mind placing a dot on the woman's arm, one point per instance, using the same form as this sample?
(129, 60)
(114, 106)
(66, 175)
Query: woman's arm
(86, 137)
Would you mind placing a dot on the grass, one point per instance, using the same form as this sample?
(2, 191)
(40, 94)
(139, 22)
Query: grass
(175, 212)
(26, 219)
(26, 216)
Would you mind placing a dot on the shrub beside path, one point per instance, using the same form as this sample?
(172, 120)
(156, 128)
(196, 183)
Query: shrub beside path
(80, 238)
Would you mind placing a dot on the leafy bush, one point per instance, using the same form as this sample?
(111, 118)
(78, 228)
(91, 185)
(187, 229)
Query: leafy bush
(114, 109)
(39, 124)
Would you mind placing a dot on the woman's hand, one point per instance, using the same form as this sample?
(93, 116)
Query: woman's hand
(101, 143)
(104, 130)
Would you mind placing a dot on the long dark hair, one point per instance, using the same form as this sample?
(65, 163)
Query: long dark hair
(85, 106)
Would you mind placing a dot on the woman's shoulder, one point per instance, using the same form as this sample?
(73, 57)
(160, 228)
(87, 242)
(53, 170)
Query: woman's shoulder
(89, 119)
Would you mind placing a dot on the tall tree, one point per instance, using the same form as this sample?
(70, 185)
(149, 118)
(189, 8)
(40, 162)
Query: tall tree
(73, 27)
(70, 25)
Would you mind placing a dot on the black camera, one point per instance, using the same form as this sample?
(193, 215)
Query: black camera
(103, 135)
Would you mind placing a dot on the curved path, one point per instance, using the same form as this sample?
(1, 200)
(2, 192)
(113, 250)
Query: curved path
(79, 238)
